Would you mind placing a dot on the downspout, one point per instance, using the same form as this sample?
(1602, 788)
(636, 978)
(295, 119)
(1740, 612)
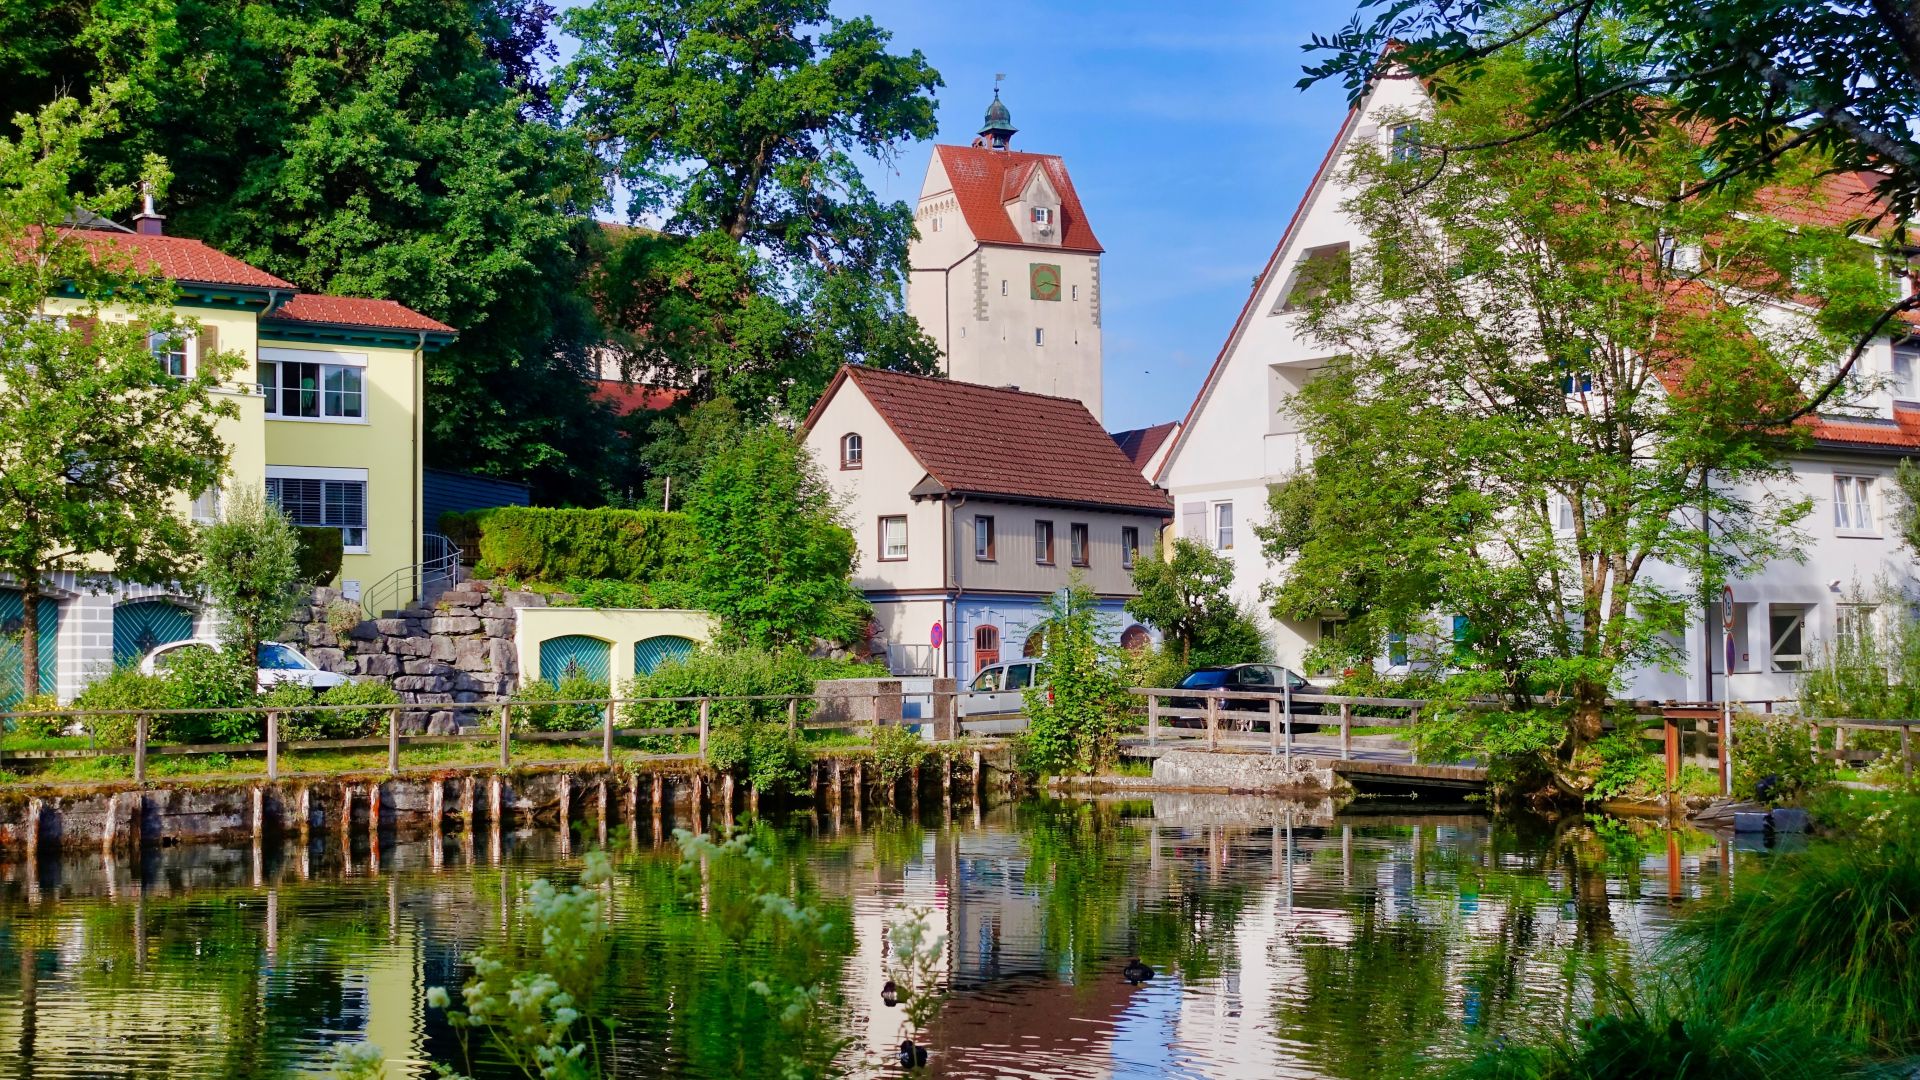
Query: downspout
(953, 617)
(946, 302)
(419, 461)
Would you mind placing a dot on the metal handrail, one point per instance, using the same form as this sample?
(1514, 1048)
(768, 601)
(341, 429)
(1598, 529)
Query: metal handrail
(440, 562)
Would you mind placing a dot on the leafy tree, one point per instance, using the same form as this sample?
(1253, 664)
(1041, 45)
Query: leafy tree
(99, 444)
(776, 563)
(250, 567)
(740, 124)
(679, 444)
(375, 151)
(1764, 83)
(1074, 721)
(1187, 597)
(1522, 343)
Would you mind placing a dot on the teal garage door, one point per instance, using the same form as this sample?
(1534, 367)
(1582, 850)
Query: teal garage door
(576, 653)
(12, 615)
(141, 627)
(657, 651)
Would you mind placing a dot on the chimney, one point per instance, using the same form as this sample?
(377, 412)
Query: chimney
(148, 222)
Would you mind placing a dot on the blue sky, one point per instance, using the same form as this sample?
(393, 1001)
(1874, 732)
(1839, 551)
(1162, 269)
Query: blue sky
(1186, 139)
(1185, 136)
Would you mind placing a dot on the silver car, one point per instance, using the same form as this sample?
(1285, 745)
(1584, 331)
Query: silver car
(279, 663)
(1000, 689)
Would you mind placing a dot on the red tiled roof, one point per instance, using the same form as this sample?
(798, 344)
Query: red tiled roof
(1140, 444)
(626, 397)
(182, 259)
(1900, 433)
(984, 440)
(1841, 198)
(984, 180)
(354, 311)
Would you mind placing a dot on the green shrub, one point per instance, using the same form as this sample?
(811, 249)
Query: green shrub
(320, 554)
(632, 594)
(125, 687)
(896, 752)
(1622, 766)
(1776, 746)
(41, 717)
(718, 673)
(464, 527)
(1074, 722)
(207, 678)
(298, 723)
(535, 704)
(766, 754)
(620, 545)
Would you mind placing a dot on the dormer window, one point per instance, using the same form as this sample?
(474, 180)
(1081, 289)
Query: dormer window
(852, 451)
(1043, 215)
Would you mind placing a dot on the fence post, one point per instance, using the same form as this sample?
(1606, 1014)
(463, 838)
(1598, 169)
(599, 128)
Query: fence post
(140, 749)
(1153, 718)
(1906, 750)
(506, 727)
(1286, 698)
(393, 742)
(1213, 723)
(1273, 726)
(273, 744)
(1726, 750)
(1671, 732)
(606, 737)
(704, 703)
(1413, 747)
(1346, 731)
(793, 715)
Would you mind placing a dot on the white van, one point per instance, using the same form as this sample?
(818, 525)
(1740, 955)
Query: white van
(1000, 689)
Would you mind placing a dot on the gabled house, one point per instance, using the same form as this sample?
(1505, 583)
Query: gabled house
(1239, 437)
(1147, 447)
(973, 506)
(329, 424)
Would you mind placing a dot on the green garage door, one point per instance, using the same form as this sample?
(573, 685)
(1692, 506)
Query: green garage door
(12, 614)
(588, 656)
(141, 627)
(656, 651)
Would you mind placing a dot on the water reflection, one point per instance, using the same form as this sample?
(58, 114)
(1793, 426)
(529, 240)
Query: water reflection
(1287, 941)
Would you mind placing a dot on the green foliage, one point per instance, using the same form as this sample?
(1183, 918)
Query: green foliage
(1623, 766)
(1505, 346)
(765, 753)
(464, 527)
(1826, 935)
(734, 673)
(628, 594)
(1187, 597)
(680, 442)
(1643, 65)
(206, 678)
(896, 752)
(41, 717)
(249, 566)
(742, 125)
(297, 725)
(536, 705)
(640, 546)
(1074, 722)
(319, 554)
(125, 687)
(98, 441)
(776, 564)
(1779, 749)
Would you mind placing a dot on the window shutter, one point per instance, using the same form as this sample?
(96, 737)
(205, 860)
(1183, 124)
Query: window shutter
(209, 339)
(1193, 520)
(86, 325)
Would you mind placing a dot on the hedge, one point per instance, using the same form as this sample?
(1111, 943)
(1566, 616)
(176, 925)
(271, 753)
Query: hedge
(538, 544)
(320, 553)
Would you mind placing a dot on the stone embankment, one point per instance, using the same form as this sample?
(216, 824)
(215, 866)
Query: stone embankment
(451, 659)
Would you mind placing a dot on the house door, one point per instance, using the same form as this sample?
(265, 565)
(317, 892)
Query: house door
(141, 627)
(650, 655)
(986, 647)
(576, 655)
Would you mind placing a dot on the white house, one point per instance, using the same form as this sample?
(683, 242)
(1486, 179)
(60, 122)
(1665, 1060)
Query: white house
(1005, 269)
(1239, 437)
(973, 505)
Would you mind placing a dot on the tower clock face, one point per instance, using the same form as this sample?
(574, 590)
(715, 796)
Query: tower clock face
(1045, 279)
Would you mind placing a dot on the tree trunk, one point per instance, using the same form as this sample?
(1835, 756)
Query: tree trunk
(1589, 709)
(30, 637)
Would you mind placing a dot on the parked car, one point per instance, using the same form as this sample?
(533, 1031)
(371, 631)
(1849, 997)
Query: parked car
(278, 663)
(1247, 679)
(1000, 689)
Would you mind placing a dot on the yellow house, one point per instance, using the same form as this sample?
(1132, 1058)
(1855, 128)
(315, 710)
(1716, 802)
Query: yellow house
(329, 424)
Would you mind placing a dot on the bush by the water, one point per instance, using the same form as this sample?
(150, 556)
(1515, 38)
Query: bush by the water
(206, 678)
(1623, 766)
(765, 753)
(1775, 751)
(538, 705)
(620, 545)
(297, 724)
(735, 673)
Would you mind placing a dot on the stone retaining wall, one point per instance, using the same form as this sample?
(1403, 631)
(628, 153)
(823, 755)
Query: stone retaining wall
(1199, 770)
(454, 659)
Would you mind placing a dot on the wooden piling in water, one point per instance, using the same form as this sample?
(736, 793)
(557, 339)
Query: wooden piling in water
(633, 802)
(436, 803)
(108, 829)
(258, 799)
(600, 797)
(979, 778)
(306, 815)
(346, 816)
(494, 803)
(466, 803)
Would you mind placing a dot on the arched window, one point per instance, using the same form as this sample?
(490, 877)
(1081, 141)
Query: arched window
(986, 647)
(1135, 638)
(852, 451)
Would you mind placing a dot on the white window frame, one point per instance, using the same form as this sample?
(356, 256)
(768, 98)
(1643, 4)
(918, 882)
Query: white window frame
(984, 540)
(1129, 545)
(189, 351)
(337, 475)
(887, 551)
(1777, 660)
(1907, 388)
(1854, 509)
(325, 358)
(1223, 526)
(1079, 544)
(1858, 622)
(1405, 149)
(853, 451)
(206, 506)
(1041, 215)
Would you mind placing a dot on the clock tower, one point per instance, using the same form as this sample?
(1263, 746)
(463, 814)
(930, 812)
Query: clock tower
(1006, 268)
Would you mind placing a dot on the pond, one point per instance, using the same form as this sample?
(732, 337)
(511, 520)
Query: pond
(1286, 941)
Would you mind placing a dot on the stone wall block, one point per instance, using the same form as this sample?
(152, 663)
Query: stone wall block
(327, 659)
(365, 631)
(470, 654)
(526, 599)
(409, 646)
(391, 627)
(319, 635)
(495, 611)
(497, 628)
(380, 665)
(440, 647)
(426, 667)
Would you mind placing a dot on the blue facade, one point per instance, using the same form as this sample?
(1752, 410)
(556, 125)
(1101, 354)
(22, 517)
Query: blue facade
(1012, 620)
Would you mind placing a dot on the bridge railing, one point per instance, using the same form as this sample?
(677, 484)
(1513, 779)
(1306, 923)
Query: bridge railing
(1218, 717)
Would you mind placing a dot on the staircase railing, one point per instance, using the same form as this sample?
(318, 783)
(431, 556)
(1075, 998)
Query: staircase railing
(439, 567)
